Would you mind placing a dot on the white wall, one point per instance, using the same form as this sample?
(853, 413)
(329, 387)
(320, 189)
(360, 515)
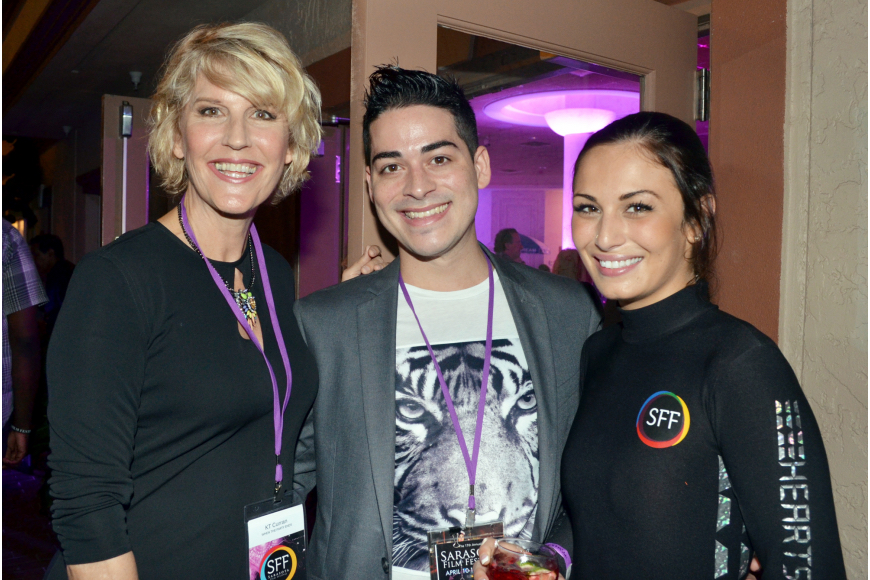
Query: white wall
(823, 299)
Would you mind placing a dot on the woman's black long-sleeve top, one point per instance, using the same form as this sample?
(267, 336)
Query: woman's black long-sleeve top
(161, 413)
(693, 446)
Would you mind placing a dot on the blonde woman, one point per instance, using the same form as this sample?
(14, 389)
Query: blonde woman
(171, 361)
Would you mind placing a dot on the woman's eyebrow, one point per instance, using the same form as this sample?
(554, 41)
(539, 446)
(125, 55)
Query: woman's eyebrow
(631, 194)
(622, 197)
(204, 101)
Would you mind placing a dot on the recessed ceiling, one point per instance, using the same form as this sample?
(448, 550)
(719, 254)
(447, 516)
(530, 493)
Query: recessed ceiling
(532, 156)
(119, 36)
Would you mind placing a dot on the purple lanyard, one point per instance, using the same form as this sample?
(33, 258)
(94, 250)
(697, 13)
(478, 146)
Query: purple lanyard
(279, 409)
(470, 461)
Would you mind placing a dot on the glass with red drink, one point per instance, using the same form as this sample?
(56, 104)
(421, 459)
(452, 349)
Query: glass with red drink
(516, 559)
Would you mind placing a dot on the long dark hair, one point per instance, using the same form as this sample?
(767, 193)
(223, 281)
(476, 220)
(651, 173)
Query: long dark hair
(677, 147)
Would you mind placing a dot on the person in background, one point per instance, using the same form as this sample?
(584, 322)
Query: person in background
(55, 271)
(174, 348)
(508, 245)
(569, 264)
(22, 294)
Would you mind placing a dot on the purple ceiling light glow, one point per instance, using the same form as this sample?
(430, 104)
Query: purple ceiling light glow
(573, 114)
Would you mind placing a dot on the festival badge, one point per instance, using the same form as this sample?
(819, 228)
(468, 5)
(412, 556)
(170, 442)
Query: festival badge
(276, 542)
(453, 551)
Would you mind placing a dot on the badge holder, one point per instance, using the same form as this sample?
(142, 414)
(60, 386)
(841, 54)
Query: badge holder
(277, 542)
(453, 551)
(275, 529)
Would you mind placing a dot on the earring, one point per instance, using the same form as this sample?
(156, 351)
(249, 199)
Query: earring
(697, 238)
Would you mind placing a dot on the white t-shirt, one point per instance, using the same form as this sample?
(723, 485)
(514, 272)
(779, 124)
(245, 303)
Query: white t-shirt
(431, 483)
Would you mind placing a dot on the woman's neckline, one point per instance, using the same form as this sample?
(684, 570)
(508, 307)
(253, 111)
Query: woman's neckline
(667, 315)
(183, 243)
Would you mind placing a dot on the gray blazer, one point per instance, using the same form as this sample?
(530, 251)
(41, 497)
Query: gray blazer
(347, 446)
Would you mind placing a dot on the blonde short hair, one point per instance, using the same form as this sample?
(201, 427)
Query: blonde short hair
(252, 60)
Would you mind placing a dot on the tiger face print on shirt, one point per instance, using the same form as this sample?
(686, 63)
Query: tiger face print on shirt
(431, 481)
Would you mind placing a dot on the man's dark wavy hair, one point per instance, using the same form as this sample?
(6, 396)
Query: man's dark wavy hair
(391, 87)
(676, 146)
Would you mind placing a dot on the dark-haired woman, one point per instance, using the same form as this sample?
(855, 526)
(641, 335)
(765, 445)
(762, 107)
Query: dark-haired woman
(693, 446)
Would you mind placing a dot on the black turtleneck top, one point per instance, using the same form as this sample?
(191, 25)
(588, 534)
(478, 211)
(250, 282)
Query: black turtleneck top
(693, 447)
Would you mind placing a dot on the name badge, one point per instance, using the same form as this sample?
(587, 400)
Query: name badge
(277, 542)
(453, 551)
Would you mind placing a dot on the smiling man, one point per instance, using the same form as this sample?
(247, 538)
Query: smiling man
(403, 439)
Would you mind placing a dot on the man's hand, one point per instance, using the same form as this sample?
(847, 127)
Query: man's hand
(371, 261)
(16, 448)
(26, 368)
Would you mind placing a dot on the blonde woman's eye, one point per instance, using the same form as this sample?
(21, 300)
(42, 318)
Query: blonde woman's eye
(209, 111)
(265, 115)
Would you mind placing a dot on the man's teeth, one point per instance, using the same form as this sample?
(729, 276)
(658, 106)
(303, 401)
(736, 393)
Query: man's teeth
(427, 213)
(237, 170)
(614, 264)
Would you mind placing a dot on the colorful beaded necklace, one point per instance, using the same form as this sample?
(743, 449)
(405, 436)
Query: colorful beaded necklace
(244, 297)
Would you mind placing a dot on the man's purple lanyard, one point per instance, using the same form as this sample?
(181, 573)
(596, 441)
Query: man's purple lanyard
(279, 409)
(470, 461)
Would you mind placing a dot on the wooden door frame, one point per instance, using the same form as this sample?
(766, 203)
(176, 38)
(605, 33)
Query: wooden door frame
(638, 36)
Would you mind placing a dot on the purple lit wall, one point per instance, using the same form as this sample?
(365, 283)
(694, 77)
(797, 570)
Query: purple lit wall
(320, 218)
(483, 218)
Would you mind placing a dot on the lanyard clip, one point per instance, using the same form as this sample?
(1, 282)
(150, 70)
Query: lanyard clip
(469, 518)
(472, 507)
(279, 476)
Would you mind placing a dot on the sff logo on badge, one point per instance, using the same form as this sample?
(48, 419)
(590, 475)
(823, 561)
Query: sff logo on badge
(279, 563)
(663, 420)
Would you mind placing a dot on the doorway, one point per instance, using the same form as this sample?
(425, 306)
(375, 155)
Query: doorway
(534, 112)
